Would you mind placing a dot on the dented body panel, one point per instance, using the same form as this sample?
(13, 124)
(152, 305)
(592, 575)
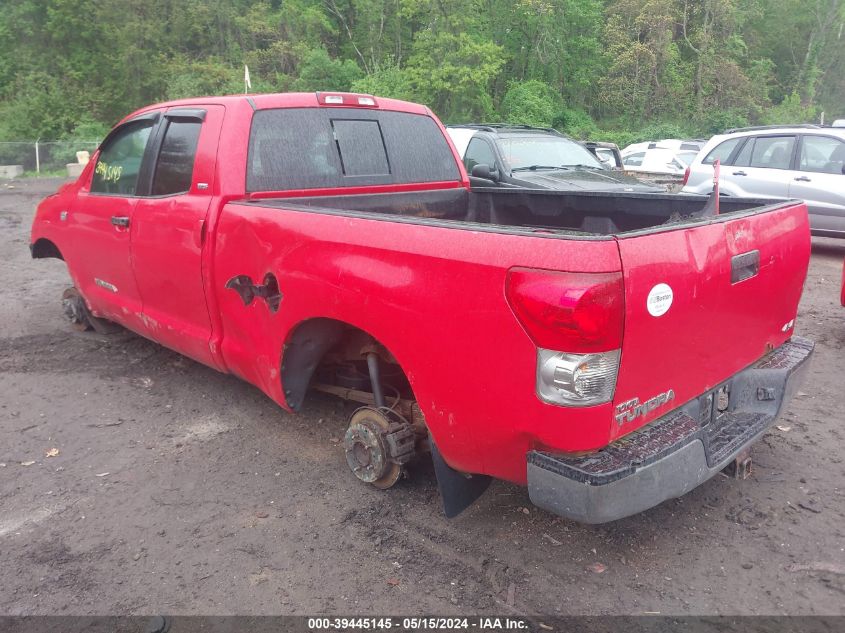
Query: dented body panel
(406, 284)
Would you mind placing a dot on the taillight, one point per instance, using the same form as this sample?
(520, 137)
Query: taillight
(576, 322)
(686, 177)
(573, 312)
(576, 380)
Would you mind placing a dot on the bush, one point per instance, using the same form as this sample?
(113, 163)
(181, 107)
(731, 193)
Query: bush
(576, 123)
(717, 121)
(318, 71)
(197, 79)
(391, 82)
(661, 130)
(87, 129)
(39, 108)
(621, 138)
(790, 111)
(654, 131)
(531, 103)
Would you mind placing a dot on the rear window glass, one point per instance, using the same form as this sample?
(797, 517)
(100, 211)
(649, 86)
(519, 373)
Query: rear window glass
(634, 160)
(307, 148)
(361, 147)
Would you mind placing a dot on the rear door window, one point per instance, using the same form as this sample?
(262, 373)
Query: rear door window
(772, 152)
(307, 148)
(119, 163)
(822, 154)
(175, 164)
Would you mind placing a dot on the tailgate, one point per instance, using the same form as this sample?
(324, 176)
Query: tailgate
(704, 302)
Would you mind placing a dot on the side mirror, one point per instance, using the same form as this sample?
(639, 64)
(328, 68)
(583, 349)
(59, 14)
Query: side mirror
(482, 170)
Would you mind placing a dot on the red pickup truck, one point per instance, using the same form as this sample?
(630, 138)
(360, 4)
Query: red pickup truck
(608, 350)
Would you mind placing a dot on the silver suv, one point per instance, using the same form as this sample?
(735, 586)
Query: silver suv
(805, 162)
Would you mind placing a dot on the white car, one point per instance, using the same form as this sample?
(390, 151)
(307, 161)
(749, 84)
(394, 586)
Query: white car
(669, 156)
(804, 162)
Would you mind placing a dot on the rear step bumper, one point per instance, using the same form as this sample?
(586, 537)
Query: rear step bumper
(675, 453)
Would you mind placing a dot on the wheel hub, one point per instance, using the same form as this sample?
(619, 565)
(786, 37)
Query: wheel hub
(376, 447)
(75, 310)
(366, 453)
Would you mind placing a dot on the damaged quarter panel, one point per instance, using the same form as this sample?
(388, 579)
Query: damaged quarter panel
(436, 302)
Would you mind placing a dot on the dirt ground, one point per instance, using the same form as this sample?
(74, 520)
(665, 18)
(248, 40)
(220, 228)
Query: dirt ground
(180, 490)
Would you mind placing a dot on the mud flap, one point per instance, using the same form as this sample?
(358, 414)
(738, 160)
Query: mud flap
(457, 490)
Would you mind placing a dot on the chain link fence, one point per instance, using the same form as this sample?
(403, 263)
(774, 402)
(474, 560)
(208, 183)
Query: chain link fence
(44, 157)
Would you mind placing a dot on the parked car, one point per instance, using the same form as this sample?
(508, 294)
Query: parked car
(669, 156)
(804, 162)
(522, 156)
(607, 153)
(565, 340)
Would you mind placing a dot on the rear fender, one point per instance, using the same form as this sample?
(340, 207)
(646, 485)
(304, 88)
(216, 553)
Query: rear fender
(302, 353)
(43, 248)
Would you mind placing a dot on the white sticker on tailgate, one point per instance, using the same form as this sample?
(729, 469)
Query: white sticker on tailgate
(659, 300)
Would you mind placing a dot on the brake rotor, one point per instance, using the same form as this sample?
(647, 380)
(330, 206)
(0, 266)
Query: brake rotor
(367, 450)
(75, 310)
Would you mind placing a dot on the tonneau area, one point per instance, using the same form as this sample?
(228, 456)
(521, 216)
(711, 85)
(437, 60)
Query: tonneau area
(584, 213)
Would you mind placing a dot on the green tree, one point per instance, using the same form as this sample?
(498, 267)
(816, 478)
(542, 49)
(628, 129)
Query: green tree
(616, 68)
(390, 81)
(531, 102)
(318, 71)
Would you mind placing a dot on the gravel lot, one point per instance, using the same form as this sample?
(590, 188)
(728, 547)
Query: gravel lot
(180, 490)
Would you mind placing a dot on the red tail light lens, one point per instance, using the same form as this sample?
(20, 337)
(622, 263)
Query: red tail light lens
(571, 312)
(686, 177)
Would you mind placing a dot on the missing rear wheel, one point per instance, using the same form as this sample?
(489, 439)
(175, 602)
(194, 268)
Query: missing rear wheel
(378, 447)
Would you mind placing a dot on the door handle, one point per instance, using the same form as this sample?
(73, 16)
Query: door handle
(120, 220)
(803, 179)
(739, 173)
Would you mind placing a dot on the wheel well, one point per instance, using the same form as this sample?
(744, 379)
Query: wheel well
(44, 249)
(335, 352)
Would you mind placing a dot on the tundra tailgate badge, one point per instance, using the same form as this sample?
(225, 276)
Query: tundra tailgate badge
(630, 410)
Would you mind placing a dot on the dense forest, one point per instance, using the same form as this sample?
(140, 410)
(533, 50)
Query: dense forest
(608, 69)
